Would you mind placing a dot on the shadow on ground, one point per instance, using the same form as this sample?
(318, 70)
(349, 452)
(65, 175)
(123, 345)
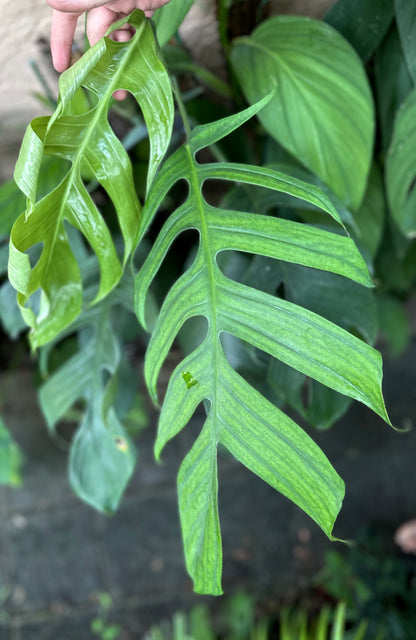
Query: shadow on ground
(56, 554)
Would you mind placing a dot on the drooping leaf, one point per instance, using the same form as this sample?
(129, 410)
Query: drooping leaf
(11, 458)
(362, 22)
(239, 417)
(401, 167)
(102, 457)
(406, 22)
(322, 109)
(88, 142)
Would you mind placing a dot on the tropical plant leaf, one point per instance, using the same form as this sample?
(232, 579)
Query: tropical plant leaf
(394, 324)
(238, 416)
(370, 217)
(169, 17)
(406, 22)
(88, 142)
(362, 22)
(11, 458)
(102, 457)
(337, 299)
(401, 167)
(393, 82)
(316, 74)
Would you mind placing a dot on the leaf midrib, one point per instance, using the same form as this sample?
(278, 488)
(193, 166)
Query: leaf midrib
(74, 174)
(195, 185)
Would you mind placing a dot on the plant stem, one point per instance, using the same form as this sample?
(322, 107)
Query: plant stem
(181, 108)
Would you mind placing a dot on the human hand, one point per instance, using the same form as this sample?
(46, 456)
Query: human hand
(101, 15)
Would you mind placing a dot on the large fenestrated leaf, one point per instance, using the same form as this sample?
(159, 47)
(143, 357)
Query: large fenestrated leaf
(322, 110)
(257, 433)
(401, 167)
(86, 139)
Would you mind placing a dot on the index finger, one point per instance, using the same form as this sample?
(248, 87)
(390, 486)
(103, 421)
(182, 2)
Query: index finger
(62, 35)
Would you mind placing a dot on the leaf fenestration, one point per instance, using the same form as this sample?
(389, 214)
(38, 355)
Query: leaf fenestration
(240, 418)
(86, 140)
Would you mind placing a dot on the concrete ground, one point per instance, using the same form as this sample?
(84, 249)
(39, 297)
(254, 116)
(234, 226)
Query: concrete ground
(56, 554)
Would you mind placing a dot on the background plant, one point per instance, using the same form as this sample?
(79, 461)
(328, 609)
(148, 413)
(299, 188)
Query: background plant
(276, 247)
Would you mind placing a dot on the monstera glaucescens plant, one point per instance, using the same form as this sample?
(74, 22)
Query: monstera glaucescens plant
(73, 267)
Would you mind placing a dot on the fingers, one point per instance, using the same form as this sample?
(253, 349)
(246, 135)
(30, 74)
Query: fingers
(62, 34)
(118, 6)
(100, 20)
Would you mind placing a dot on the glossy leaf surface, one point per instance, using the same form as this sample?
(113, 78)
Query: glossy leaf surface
(322, 110)
(84, 138)
(263, 438)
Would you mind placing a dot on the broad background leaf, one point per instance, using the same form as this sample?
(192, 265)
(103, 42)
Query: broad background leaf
(393, 82)
(322, 109)
(406, 22)
(362, 22)
(401, 167)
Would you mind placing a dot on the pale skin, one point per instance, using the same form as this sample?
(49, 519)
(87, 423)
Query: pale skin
(101, 15)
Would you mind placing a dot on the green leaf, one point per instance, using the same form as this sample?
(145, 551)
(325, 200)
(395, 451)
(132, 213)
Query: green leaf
(393, 82)
(102, 458)
(169, 17)
(322, 110)
(12, 202)
(88, 142)
(10, 316)
(238, 416)
(394, 324)
(401, 167)
(362, 22)
(339, 300)
(11, 458)
(406, 22)
(371, 215)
